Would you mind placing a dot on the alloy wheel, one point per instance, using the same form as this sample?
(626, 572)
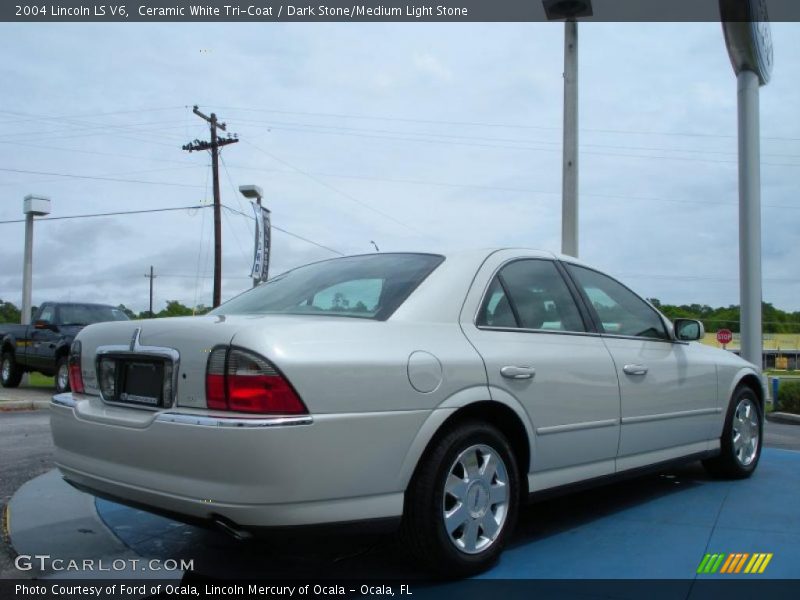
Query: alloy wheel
(745, 432)
(476, 499)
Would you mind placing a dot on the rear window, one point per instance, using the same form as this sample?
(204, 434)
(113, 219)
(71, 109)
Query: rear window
(372, 286)
(86, 314)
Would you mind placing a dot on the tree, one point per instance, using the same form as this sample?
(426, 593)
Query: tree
(9, 313)
(175, 309)
(130, 314)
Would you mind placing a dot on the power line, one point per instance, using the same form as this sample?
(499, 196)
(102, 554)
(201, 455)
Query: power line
(337, 190)
(497, 125)
(31, 117)
(287, 232)
(522, 190)
(520, 147)
(110, 214)
(99, 153)
(314, 127)
(99, 178)
(157, 210)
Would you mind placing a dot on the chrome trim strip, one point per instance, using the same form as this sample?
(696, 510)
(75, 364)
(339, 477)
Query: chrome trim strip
(577, 426)
(526, 330)
(673, 415)
(243, 422)
(64, 399)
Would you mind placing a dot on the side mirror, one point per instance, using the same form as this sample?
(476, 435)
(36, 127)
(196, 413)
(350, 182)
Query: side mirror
(689, 330)
(40, 324)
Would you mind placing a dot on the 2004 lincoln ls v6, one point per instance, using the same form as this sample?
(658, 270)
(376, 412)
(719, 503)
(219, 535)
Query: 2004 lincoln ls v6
(437, 392)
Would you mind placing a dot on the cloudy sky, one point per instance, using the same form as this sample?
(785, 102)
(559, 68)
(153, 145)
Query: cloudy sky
(416, 136)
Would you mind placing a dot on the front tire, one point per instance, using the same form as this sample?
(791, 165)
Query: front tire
(62, 375)
(10, 371)
(742, 438)
(462, 503)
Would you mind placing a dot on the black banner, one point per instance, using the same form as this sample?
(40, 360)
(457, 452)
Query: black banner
(471, 589)
(383, 10)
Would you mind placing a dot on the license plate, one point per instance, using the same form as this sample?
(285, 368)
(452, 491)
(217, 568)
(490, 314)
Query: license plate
(142, 382)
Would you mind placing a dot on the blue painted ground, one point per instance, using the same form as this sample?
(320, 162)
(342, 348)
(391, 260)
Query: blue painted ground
(656, 527)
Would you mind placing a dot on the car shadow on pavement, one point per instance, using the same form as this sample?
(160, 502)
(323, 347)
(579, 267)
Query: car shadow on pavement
(216, 555)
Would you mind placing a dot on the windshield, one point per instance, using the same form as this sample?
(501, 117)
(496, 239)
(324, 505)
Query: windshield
(370, 287)
(86, 314)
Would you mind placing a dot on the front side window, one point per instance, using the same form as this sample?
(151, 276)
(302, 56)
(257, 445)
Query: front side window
(530, 294)
(371, 287)
(47, 314)
(620, 311)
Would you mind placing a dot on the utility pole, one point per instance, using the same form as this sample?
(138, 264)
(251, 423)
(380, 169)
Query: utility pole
(214, 145)
(151, 277)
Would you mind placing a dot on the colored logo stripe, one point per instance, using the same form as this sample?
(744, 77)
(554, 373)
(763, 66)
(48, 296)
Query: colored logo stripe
(734, 563)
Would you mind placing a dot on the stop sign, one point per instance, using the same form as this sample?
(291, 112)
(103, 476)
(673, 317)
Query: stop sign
(724, 336)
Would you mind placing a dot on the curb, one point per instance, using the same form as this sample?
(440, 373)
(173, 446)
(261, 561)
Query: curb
(782, 417)
(9, 405)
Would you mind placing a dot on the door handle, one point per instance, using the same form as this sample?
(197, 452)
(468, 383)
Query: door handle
(518, 372)
(635, 369)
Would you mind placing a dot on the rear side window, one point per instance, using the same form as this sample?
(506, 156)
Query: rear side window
(372, 286)
(530, 294)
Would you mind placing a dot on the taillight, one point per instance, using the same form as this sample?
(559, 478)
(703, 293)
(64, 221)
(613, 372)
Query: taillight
(242, 381)
(74, 365)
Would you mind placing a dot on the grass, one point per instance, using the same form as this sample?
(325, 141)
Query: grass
(38, 380)
(774, 373)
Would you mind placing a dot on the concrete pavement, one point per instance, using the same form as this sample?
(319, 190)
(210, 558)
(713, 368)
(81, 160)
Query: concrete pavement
(25, 398)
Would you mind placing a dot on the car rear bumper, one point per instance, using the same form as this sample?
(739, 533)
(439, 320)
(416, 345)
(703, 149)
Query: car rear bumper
(254, 473)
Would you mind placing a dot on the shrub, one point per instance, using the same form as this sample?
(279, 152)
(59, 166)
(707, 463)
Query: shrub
(789, 396)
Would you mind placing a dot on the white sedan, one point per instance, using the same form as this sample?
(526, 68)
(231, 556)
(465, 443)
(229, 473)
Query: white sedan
(416, 390)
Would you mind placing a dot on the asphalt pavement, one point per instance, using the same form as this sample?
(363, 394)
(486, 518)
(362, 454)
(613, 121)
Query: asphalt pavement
(26, 448)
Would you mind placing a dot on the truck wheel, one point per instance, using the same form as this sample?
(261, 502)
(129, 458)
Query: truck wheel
(10, 371)
(62, 375)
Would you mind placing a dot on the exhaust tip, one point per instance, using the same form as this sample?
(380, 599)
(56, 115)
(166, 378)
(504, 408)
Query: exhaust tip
(231, 528)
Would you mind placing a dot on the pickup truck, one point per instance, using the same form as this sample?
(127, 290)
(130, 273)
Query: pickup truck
(43, 345)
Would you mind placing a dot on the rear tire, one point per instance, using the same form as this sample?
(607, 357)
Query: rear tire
(62, 375)
(742, 437)
(10, 371)
(462, 503)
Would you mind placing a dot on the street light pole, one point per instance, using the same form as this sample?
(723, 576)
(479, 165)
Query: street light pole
(745, 25)
(250, 192)
(569, 205)
(751, 342)
(32, 206)
(570, 11)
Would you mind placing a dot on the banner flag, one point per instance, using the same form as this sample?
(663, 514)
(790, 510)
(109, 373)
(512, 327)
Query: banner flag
(260, 269)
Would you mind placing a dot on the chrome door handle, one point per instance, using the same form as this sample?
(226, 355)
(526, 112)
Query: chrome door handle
(635, 369)
(518, 372)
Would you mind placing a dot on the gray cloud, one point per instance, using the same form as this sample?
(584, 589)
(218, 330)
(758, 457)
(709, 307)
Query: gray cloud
(474, 110)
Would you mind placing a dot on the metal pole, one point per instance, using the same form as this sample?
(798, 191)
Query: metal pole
(151, 291)
(256, 280)
(749, 218)
(569, 185)
(27, 271)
